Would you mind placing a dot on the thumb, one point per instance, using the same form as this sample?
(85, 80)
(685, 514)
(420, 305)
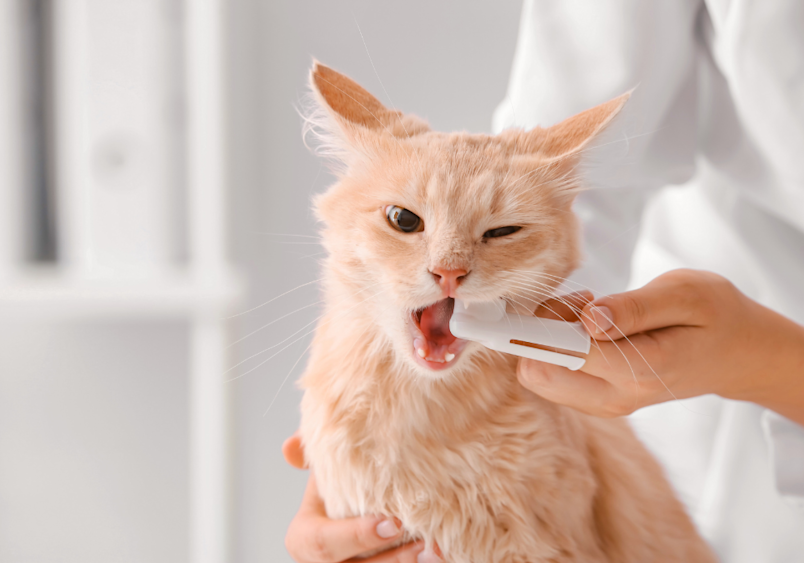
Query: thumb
(654, 306)
(293, 450)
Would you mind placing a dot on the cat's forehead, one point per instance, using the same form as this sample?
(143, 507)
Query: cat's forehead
(451, 167)
(463, 149)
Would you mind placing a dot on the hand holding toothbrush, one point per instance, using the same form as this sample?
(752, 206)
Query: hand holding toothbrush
(684, 334)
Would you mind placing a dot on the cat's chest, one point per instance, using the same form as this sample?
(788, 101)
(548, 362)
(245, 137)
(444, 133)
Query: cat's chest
(399, 475)
(382, 469)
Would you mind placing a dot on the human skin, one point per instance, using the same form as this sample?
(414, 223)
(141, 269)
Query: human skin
(314, 538)
(684, 334)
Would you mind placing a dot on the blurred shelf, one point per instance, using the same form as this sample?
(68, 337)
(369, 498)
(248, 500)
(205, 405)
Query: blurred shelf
(175, 293)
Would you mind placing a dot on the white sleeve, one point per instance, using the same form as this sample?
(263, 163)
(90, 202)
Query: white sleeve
(572, 55)
(786, 443)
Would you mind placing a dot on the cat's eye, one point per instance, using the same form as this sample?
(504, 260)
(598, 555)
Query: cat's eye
(500, 232)
(403, 220)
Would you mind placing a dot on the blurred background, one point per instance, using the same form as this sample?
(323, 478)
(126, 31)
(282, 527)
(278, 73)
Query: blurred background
(158, 256)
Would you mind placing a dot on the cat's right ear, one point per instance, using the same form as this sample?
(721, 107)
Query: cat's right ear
(348, 119)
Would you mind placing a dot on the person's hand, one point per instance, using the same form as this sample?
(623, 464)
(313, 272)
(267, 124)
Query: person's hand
(684, 334)
(313, 538)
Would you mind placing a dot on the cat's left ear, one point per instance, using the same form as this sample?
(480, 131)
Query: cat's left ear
(352, 115)
(575, 133)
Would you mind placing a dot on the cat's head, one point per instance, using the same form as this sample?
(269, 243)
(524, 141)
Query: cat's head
(419, 217)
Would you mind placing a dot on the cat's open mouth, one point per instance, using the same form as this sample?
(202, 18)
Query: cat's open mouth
(434, 346)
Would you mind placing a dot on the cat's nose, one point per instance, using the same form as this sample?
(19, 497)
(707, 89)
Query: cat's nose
(449, 280)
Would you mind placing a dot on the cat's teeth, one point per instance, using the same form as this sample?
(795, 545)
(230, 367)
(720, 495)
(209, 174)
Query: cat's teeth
(421, 352)
(449, 357)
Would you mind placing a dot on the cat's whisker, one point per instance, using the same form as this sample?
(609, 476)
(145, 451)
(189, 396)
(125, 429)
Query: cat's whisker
(621, 233)
(507, 318)
(295, 242)
(543, 303)
(306, 256)
(285, 380)
(298, 331)
(549, 293)
(374, 68)
(559, 279)
(504, 311)
(513, 305)
(274, 299)
(252, 333)
(355, 342)
(318, 237)
(261, 352)
(526, 308)
(294, 342)
(625, 139)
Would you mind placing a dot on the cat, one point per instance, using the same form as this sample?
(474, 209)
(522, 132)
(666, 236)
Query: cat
(402, 419)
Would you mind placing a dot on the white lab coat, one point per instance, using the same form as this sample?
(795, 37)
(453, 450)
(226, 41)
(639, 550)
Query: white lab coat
(719, 109)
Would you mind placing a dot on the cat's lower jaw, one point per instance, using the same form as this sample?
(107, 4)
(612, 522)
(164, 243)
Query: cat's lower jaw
(432, 344)
(439, 359)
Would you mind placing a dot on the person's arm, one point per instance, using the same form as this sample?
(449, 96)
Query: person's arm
(314, 538)
(687, 333)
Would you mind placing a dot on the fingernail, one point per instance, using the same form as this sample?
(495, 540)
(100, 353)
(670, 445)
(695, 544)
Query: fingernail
(387, 529)
(602, 318)
(428, 556)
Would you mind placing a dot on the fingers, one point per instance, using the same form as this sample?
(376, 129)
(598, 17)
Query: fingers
(564, 308)
(311, 501)
(406, 554)
(648, 342)
(341, 539)
(575, 389)
(662, 303)
(317, 539)
(293, 451)
(314, 538)
(618, 377)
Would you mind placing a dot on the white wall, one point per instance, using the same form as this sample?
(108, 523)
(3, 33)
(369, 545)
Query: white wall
(447, 61)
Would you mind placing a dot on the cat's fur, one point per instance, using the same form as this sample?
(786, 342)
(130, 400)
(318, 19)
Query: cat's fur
(465, 456)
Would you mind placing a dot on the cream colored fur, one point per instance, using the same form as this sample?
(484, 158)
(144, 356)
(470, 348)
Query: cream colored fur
(465, 457)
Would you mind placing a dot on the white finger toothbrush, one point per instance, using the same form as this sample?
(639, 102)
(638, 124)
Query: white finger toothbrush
(555, 342)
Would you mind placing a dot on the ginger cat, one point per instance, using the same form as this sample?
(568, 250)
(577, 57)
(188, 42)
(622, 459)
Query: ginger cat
(399, 417)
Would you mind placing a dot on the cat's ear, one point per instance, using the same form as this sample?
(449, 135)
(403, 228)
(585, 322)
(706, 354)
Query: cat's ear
(566, 149)
(575, 133)
(352, 114)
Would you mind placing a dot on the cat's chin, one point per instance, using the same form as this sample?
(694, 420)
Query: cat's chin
(433, 346)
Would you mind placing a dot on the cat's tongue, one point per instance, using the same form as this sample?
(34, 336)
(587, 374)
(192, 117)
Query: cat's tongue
(436, 347)
(434, 322)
